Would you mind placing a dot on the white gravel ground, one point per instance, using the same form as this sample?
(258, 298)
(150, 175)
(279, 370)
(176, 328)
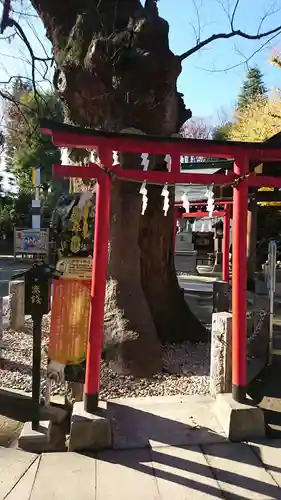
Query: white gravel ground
(188, 366)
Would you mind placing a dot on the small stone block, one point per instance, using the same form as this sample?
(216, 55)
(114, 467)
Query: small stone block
(17, 316)
(53, 413)
(35, 441)
(240, 421)
(88, 431)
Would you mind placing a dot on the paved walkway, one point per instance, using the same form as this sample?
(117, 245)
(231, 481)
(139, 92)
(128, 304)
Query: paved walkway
(166, 448)
(223, 470)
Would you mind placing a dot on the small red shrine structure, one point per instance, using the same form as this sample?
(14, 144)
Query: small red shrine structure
(225, 213)
(241, 179)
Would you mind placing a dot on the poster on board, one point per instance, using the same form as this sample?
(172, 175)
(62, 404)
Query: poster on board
(31, 241)
(70, 316)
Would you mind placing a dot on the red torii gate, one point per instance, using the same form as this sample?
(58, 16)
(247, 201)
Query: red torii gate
(241, 178)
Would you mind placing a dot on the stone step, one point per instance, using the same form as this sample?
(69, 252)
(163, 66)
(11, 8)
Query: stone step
(240, 473)
(67, 476)
(13, 465)
(23, 488)
(163, 421)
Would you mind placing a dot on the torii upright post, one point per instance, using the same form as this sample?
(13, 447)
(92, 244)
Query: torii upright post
(99, 270)
(239, 281)
(226, 239)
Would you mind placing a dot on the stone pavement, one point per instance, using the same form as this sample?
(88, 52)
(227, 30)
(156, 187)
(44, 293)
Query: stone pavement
(223, 470)
(164, 448)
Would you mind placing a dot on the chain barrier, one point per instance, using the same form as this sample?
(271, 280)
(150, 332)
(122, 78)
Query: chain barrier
(263, 314)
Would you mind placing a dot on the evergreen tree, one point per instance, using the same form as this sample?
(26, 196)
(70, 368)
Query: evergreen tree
(252, 88)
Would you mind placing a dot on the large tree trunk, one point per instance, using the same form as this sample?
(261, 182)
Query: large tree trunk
(115, 70)
(172, 317)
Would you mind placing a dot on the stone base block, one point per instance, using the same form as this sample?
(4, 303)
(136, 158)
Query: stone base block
(17, 317)
(53, 413)
(4, 288)
(240, 421)
(87, 431)
(35, 441)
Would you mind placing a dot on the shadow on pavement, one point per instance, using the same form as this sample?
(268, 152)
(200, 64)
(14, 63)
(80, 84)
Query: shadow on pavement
(216, 468)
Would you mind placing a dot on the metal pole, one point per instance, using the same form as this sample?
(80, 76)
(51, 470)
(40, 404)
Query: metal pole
(271, 285)
(226, 239)
(239, 282)
(36, 365)
(175, 227)
(100, 259)
(36, 207)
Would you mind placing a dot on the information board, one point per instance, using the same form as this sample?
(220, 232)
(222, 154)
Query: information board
(31, 241)
(75, 268)
(69, 321)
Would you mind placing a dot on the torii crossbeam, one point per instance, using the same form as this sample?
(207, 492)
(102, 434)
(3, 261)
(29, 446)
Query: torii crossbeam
(241, 179)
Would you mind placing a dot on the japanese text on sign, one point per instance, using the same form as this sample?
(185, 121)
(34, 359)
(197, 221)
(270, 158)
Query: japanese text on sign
(75, 268)
(70, 321)
(36, 295)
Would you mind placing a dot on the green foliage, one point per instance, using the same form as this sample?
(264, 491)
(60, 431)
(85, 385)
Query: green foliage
(259, 120)
(222, 132)
(15, 211)
(26, 147)
(253, 87)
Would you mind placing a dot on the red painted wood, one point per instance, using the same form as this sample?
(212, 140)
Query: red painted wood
(152, 176)
(239, 278)
(226, 241)
(176, 164)
(92, 171)
(198, 215)
(100, 259)
(193, 147)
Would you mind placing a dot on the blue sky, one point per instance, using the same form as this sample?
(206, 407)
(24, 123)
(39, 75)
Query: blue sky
(210, 89)
(206, 83)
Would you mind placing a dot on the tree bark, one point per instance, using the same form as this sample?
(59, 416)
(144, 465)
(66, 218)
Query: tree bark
(115, 70)
(130, 337)
(172, 317)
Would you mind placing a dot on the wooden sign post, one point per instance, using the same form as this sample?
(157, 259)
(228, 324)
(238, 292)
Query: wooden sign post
(37, 303)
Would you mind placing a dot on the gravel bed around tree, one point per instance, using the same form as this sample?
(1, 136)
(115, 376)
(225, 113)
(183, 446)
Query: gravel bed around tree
(186, 368)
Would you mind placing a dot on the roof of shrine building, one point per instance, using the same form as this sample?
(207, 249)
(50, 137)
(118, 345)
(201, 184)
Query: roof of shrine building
(197, 192)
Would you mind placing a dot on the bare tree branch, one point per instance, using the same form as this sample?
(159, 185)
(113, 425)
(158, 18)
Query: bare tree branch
(246, 59)
(8, 97)
(269, 12)
(233, 14)
(33, 57)
(198, 36)
(224, 36)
